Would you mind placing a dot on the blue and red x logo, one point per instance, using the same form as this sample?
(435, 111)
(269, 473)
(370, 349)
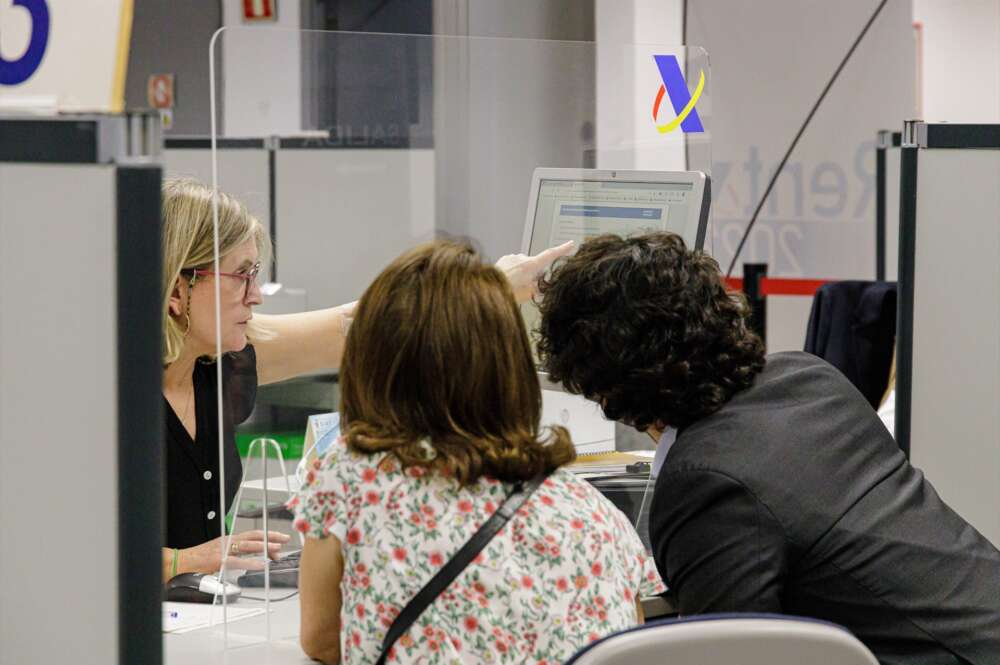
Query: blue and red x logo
(683, 102)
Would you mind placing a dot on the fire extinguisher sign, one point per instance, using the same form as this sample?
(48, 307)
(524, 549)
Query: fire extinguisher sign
(260, 10)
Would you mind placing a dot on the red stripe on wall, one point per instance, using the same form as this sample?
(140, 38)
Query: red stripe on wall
(776, 286)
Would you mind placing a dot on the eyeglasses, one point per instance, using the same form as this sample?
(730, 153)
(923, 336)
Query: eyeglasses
(249, 277)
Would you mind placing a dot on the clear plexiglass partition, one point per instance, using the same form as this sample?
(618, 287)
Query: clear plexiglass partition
(352, 148)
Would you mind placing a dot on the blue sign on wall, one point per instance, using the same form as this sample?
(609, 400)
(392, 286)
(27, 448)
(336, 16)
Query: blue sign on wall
(13, 72)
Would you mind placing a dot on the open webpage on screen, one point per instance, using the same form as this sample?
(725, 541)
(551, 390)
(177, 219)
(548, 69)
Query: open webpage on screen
(580, 221)
(578, 210)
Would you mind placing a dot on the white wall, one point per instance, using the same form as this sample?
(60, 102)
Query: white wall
(504, 107)
(531, 19)
(770, 61)
(242, 173)
(627, 81)
(344, 214)
(961, 59)
(261, 72)
(787, 318)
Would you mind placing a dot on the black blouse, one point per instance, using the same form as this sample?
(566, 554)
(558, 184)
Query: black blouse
(193, 466)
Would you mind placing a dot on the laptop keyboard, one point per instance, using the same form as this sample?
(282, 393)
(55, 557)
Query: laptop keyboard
(284, 573)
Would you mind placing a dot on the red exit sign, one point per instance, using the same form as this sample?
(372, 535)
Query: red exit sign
(260, 10)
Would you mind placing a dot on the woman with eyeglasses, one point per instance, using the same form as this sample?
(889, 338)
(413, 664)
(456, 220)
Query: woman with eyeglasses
(256, 350)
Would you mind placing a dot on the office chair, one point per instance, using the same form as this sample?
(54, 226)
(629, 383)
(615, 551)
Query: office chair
(729, 639)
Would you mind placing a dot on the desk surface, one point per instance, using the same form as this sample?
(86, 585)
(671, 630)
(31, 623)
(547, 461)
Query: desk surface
(247, 637)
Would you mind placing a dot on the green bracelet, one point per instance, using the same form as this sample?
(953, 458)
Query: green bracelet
(173, 563)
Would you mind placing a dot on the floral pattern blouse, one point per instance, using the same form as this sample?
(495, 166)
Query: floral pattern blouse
(564, 571)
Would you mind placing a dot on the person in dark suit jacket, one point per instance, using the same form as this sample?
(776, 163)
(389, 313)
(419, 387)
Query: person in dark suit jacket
(781, 490)
(852, 326)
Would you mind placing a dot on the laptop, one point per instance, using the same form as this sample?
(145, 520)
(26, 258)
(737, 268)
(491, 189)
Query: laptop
(578, 204)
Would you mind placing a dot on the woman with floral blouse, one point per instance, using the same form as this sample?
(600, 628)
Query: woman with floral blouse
(442, 406)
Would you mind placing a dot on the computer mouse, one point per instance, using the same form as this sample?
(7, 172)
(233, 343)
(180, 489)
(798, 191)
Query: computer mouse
(199, 588)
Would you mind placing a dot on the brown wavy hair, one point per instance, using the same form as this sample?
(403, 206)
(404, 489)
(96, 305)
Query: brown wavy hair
(438, 370)
(646, 327)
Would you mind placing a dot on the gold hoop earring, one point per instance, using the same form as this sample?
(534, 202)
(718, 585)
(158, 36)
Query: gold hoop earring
(187, 308)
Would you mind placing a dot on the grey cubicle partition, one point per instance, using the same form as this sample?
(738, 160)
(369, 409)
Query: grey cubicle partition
(948, 362)
(338, 213)
(344, 213)
(80, 420)
(887, 205)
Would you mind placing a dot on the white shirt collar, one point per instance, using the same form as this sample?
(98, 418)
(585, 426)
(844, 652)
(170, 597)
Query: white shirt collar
(662, 448)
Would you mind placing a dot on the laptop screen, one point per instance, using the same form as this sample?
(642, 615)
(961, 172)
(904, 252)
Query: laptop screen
(579, 204)
(581, 209)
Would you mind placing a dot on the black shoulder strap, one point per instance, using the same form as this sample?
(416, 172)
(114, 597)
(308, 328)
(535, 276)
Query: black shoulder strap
(454, 567)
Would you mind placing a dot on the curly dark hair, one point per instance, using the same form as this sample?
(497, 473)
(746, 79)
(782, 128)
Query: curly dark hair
(647, 328)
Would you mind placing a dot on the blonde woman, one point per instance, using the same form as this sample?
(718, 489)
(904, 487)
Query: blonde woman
(257, 350)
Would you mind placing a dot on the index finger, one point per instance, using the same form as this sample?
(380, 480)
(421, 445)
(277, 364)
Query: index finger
(258, 534)
(545, 258)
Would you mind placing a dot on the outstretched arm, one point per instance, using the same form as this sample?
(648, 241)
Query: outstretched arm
(523, 271)
(299, 343)
(207, 557)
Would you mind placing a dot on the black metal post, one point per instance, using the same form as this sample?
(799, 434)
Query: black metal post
(881, 144)
(140, 416)
(904, 315)
(272, 144)
(753, 273)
